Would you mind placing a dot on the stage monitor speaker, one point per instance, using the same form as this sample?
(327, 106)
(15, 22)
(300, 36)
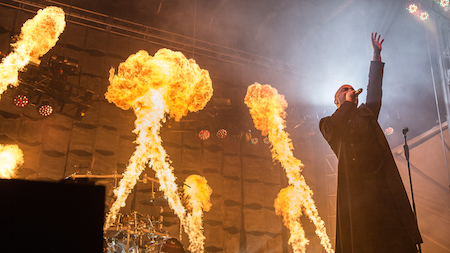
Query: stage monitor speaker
(51, 217)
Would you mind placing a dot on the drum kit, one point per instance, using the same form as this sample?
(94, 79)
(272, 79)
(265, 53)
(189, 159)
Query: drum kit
(134, 232)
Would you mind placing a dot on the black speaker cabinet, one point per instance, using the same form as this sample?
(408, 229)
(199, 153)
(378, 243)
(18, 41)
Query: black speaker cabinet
(51, 217)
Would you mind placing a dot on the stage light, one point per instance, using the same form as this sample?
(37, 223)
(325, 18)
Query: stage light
(254, 141)
(444, 3)
(204, 134)
(412, 8)
(22, 97)
(424, 15)
(221, 133)
(45, 108)
(61, 67)
(21, 100)
(389, 131)
(245, 135)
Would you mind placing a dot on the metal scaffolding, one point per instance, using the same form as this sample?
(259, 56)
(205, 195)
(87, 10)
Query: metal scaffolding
(443, 52)
(160, 37)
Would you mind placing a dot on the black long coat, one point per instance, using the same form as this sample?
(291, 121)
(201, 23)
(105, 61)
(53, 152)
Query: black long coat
(373, 209)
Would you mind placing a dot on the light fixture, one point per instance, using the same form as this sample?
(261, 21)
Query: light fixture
(389, 131)
(424, 15)
(444, 3)
(203, 132)
(412, 8)
(266, 140)
(61, 66)
(254, 140)
(21, 99)
(46, 107)
(221, 133)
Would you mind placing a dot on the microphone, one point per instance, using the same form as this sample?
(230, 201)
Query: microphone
(358, 91)
(405, 130)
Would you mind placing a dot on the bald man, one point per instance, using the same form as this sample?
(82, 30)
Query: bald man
(373, 209)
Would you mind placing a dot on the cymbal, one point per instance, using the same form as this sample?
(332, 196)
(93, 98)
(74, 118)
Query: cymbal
(154, 202)
(112, 231)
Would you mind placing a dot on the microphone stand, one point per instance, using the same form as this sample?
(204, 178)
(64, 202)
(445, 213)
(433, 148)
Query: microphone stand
(406, 151)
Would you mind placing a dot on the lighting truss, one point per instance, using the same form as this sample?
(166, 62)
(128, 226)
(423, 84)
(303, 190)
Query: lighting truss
(69, 100)
(163, 38)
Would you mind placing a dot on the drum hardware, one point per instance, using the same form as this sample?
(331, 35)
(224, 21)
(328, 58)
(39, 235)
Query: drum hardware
(145, 179)
(135, 232)
(168, 214)
(161, 201)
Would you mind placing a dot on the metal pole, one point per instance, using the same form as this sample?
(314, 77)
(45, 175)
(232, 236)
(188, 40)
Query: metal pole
(406, 151)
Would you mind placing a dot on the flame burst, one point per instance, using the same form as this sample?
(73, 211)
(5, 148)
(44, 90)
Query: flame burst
(197, 194)
(267, 108)
(11, 158)
(153, 86)
(37, 37)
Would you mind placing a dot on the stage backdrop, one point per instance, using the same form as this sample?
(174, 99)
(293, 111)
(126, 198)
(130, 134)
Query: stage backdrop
(244, 179)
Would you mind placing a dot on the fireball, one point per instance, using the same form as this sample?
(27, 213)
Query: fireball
(197, 194)
(155, 86)
(11, 158)
(38, 35)
(267, 108)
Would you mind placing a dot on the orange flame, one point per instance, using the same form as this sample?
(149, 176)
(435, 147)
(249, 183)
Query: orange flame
(267, 108)
(37, 37)
(153, 86)
(286, 205)
(11, 158)
(197, 194)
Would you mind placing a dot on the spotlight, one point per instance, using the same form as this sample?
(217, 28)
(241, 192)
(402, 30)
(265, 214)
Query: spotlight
(46, 108)
(412, 8)
(21, 100)
(22, 97)
(424, 15)
(221, 133)
(247, 135)
(204, 134)
(389, 131)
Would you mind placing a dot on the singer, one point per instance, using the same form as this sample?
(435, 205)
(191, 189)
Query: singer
(373, 209)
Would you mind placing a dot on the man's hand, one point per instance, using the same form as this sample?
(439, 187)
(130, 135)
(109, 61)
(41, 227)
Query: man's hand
(376, 46)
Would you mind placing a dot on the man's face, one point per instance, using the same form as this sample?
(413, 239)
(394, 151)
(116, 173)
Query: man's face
(345, 93)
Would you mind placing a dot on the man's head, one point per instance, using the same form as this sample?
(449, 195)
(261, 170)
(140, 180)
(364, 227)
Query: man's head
(345, 93)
